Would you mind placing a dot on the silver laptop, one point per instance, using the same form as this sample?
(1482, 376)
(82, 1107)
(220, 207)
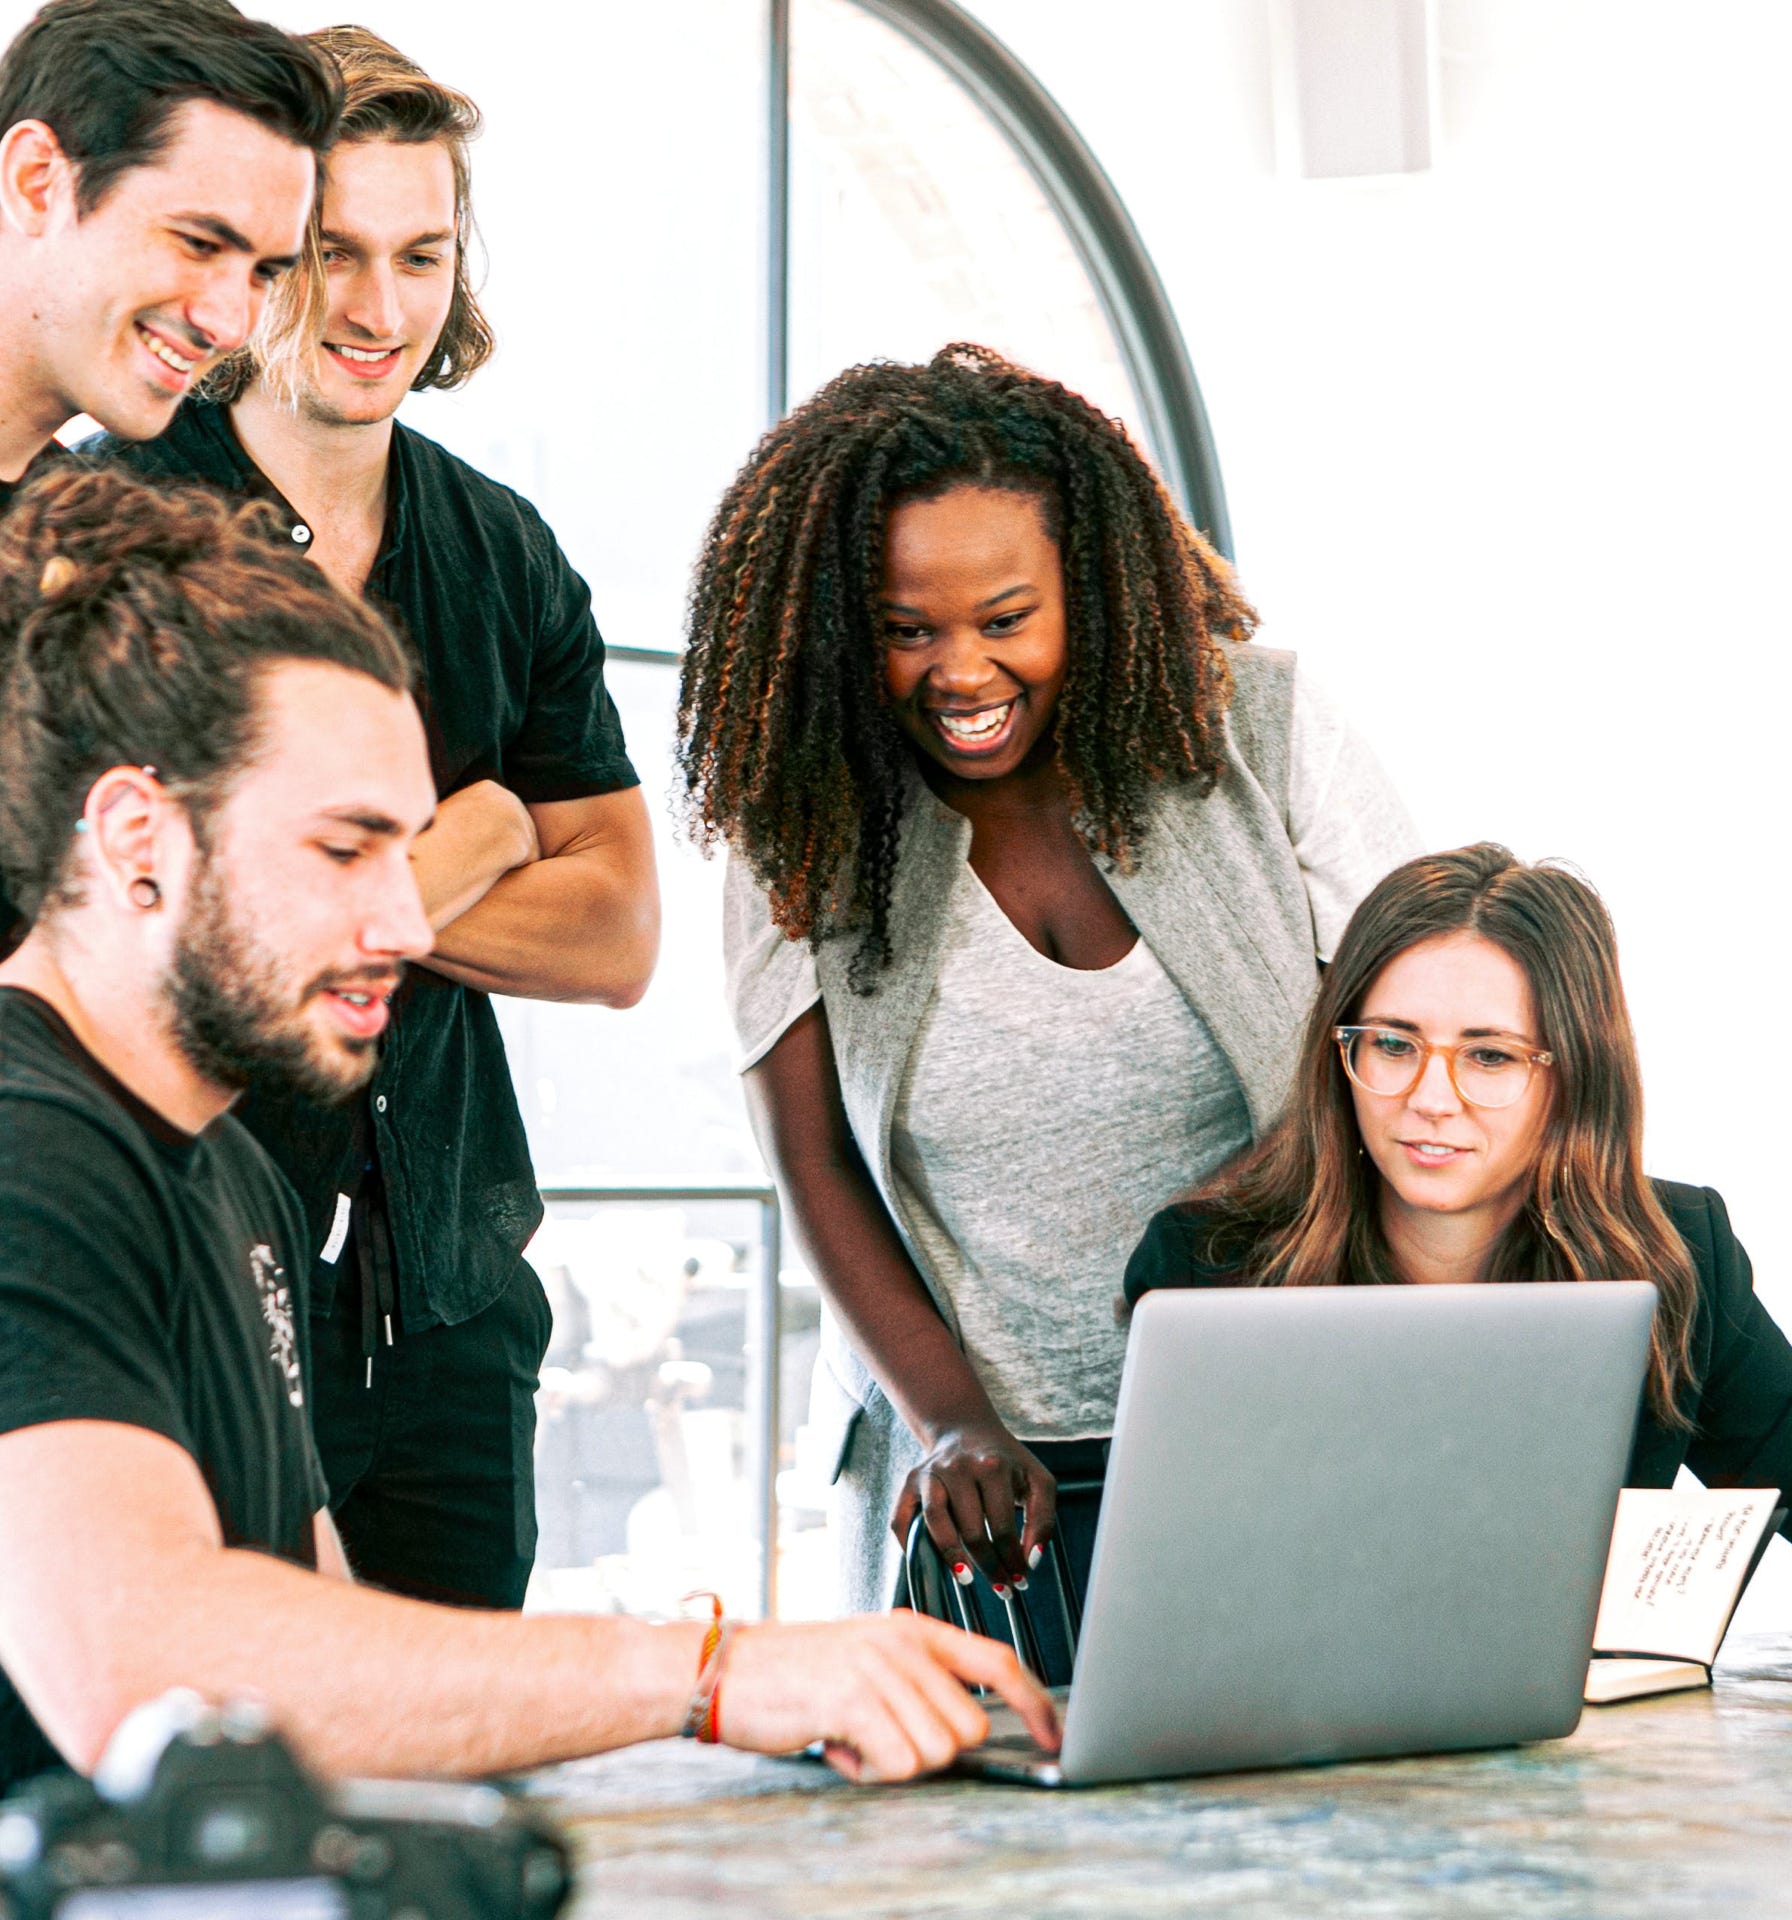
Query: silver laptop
(1342, 1522)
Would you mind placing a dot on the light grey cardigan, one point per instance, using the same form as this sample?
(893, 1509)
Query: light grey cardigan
(1220, 898)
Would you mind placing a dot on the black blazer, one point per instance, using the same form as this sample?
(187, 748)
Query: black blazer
(1742, 1365)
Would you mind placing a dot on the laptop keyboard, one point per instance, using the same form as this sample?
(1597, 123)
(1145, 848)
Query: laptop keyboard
(1006, 1733)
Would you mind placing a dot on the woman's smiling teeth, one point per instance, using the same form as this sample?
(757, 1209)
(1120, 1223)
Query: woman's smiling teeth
(974, 728)
(165, 353)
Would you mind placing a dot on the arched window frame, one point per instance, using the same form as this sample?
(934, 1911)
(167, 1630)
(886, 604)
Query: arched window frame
(1107, 242)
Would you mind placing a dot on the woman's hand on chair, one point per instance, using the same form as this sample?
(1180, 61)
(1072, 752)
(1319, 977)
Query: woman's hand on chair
(968, 1488)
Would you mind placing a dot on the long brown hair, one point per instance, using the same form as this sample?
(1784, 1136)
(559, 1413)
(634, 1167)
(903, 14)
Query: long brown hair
(386, 97)
(1302, 1209)
(786, 742)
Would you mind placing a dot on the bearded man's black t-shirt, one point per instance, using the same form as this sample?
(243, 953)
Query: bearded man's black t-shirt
(152, 1278)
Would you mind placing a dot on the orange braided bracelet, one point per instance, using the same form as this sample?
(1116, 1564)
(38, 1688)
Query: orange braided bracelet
(700, 1717)
(711, 1730)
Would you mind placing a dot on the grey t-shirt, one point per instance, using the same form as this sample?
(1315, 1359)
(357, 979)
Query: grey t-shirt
(1046, 1113)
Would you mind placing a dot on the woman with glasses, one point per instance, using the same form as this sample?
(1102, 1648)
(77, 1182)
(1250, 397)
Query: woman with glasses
(1031, 856)
(1467, 1107)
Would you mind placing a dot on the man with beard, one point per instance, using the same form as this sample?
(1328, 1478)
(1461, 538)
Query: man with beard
(157, 163)
(212, 778)
(537, 875)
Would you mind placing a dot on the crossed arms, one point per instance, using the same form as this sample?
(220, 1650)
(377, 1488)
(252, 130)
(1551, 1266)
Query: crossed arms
(556, 901)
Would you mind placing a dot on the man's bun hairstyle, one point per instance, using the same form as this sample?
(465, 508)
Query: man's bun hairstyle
(134, 623)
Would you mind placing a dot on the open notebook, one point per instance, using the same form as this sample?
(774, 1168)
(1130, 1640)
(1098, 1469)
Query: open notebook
(1678, 1564)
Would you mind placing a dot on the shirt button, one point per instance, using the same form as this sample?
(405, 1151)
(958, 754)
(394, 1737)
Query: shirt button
(301, 533)
(379, 1103)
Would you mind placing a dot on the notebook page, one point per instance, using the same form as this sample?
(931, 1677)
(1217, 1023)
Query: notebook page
(1677, 1564)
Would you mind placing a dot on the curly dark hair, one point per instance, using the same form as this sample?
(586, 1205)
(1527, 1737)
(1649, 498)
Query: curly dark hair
(787, 747)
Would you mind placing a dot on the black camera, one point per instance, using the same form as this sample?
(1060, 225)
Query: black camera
(201, 1813)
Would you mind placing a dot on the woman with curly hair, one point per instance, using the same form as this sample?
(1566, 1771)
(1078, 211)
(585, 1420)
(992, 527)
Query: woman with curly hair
(1467, 1107)
(1032, 856)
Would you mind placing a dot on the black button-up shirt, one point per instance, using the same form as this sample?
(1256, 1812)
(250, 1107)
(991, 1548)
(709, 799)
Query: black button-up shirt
(513, 691)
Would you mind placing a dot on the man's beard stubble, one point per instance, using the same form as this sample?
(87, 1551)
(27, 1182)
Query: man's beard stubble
(237, 1021)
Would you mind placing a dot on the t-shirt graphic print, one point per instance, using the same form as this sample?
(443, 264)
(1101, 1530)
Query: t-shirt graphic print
(276, 1310)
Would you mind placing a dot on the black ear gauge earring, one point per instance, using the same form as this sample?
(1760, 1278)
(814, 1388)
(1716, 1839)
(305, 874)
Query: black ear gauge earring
(144, 893)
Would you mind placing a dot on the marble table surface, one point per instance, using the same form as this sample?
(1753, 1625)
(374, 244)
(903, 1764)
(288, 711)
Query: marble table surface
(1680, 1805)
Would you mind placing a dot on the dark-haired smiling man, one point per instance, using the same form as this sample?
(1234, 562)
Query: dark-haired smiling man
(537, 875)
(158, 159)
